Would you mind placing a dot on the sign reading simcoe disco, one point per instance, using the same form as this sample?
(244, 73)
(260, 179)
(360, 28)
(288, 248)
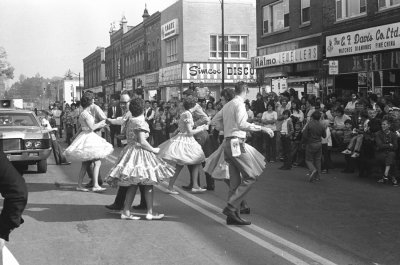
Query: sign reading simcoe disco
(287, 57)
(169, 29)
(367, 40)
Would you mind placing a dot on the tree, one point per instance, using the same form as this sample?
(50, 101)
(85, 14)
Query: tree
(6, 70)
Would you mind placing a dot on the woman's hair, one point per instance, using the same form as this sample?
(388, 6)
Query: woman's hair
(298, 103)
(136, 107)
(272, 105)
(86, 101)
(228, 94)
(286, 112)
(210, 103)
(340, 110)
(189, 102)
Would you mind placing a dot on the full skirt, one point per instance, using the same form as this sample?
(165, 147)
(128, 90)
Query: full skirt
(182, 150)
(218, 168)
(136, 165)
(88, 146)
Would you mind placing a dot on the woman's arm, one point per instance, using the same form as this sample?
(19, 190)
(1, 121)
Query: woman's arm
(144, 143)
(192, 132)
(94, 126)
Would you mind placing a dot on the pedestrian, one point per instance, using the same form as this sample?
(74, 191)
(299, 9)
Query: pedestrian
(15, 193)
(286, 134)
(269, 119)
(313, 133)
(57, 116)
(118, 203)
(113, 112)
(233, 118)
(183, 149)
(89, 147)
(68, 121)
(138, 164)
(159, 127)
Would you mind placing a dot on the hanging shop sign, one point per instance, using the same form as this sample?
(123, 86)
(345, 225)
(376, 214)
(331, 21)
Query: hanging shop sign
(287, 57)
(212, 72)
(169, 29)
(333, 67)
(361, 41)
(151, 80)
(128, 84)
(170, 75)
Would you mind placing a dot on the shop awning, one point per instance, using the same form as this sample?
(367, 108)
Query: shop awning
(300, 79)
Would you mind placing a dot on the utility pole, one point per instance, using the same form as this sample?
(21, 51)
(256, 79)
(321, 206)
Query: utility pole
(223, 46)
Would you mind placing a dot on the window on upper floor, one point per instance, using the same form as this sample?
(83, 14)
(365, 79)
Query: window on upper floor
(350, 8)
(305, 11)
(236, 46)
(276, 16)
(172, 51)
(388, 3)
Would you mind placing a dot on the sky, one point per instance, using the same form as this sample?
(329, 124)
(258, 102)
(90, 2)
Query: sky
(51, 36)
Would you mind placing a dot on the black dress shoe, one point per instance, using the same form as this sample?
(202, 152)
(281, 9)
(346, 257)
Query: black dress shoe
(188, 187)
(113, 207)
(89, 185)
(140, 207)
(209, 187)
(245, 211)
(233, 219)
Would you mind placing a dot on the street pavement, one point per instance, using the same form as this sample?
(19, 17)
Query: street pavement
(342, 219)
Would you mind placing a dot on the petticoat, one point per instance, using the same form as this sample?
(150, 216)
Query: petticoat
(88, 146)
(182, 150)
(218, 168)
(136, 165)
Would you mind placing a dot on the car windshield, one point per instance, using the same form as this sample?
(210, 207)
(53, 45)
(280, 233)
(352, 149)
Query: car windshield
(17, 119)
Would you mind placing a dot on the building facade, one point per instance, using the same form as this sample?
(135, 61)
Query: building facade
(363, 37)
(94, 71)
(191, 46)
(290, 46)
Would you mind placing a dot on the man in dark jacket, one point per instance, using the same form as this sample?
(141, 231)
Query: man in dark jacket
(15, 194)
(113, 112)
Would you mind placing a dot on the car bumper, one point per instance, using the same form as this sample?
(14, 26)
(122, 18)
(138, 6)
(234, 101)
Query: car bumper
(28, 156)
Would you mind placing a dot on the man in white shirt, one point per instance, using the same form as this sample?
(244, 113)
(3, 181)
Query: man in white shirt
(234, 118)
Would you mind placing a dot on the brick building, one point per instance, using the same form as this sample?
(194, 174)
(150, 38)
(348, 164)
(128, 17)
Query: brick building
(191, 46)
(289, 45)
(94, 71)
(364, 37)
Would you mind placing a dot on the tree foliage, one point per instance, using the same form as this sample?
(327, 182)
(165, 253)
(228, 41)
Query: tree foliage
(6, 70)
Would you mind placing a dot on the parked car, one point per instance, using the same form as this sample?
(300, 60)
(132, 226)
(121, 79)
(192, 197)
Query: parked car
(23, 139)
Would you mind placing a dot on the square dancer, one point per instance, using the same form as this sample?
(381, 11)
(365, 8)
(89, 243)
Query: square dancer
(234, 121)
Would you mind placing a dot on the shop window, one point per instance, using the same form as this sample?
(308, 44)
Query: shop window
(388, 3)
(350, 8)
(305, 11)
(171, 50)
(276, 16)
(235, 46)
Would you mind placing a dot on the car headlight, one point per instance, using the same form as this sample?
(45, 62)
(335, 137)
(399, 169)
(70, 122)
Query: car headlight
(28, 144)
(38, 144)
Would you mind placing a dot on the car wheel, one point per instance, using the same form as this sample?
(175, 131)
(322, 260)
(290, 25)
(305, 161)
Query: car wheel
(42, 166)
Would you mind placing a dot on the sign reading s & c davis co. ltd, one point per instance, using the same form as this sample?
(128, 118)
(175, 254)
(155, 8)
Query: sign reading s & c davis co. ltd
(361, 41)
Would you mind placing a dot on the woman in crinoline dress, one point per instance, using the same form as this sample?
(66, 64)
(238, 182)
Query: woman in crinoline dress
(138, 164)
(183, 149)
(88, 147)
(216, 165)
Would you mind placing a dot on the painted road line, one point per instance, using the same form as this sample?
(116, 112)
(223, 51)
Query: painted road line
(273, 237)
(278, 251)
(302, 251)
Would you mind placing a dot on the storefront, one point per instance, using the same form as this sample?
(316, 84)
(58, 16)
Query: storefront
(297, 69)
(170, 82)
(151, 86)
(207, 77)
(369, 60)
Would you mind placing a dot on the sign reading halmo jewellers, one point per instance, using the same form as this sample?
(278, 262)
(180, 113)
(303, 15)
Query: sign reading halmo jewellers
(367, 40)
(287, 57)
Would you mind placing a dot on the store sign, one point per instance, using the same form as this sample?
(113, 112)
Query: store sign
(128, 84)
(212, 72)
(333, 67)
(170, 29)
(170, 75)
(287, 57)
(361, 41)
